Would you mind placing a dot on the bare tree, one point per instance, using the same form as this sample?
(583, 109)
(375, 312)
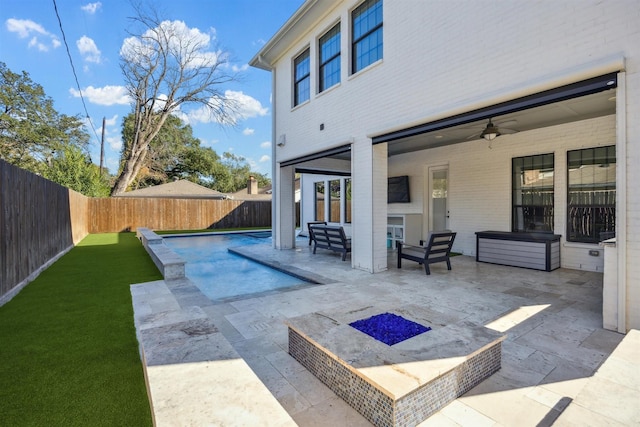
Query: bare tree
(165, 66)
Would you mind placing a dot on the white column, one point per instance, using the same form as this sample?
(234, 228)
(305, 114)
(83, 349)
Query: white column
(284, 235)
(622, 212)
(369, 206)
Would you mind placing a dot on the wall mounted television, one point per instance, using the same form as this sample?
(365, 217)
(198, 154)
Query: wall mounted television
(398, 190)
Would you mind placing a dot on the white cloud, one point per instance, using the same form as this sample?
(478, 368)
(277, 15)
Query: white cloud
(110, 126)
(181, 115)
(40, 46)
(266, 144)
(136, 48)
(26, 28)
(115, 142)
(113, 121)
(248, 131)
(264, 159)
(88, 49)
(247, 106)
(107, 95)
(244, 107)
(113, 163)
(112, 131)
(241, 68)
(91, 8)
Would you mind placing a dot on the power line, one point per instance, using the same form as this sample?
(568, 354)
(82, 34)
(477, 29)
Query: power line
(73, 68)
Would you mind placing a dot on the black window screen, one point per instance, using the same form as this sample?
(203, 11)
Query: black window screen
(532, 193)
(591, 194)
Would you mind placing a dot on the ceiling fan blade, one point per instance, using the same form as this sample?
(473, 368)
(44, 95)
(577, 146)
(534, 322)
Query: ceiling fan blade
(507, 131)
(507, 123)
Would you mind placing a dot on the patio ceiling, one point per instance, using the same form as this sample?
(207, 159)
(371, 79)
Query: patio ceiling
(570, 110)
(581, 100)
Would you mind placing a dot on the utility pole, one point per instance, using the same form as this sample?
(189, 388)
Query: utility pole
(104, 120)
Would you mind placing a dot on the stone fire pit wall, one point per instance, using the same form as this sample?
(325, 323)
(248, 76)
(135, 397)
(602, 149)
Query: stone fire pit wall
(384, 391)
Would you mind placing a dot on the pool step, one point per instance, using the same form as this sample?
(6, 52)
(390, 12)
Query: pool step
(170, 264)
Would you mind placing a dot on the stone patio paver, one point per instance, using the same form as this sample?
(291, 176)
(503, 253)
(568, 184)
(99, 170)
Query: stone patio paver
(549, 358)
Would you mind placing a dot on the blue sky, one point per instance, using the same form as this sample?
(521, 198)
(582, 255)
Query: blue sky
(31, 41)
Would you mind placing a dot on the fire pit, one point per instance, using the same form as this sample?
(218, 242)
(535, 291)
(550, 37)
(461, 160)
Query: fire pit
(400, 382)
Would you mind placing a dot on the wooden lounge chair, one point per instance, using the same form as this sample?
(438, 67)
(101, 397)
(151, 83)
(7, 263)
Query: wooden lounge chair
(438, 249)
(330, 237)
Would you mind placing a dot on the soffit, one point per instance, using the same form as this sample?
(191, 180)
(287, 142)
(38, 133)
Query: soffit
(296, 26)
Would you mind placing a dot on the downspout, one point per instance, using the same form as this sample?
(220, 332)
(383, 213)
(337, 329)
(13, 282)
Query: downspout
(275, 185)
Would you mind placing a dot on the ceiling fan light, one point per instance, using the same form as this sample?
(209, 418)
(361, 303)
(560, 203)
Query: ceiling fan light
(490, 132)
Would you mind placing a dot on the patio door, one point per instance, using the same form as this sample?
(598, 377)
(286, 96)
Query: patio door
(438, 200)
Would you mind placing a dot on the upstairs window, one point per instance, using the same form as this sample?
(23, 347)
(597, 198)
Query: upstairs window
(329, 58)
(532, 193)
(367, 34)
(302, 78)
(591, 201)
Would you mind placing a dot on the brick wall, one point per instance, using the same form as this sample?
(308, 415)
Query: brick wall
(447, 57)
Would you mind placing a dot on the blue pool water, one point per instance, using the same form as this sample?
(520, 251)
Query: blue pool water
(220, 274)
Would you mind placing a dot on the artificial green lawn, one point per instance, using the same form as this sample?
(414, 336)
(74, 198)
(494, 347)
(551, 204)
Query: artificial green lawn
(67, 341)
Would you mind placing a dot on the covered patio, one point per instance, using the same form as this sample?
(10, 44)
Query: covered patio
(553, 322)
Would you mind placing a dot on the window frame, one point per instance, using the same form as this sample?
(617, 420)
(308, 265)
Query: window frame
(607, 210)
(298, 80)
(319, 187)
(541, 218)
(323, 63)
(335, 190)
(355, 42)
(347, 200)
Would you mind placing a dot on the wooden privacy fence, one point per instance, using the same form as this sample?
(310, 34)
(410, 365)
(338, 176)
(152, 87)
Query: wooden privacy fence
(39, 219)
(127, 214)
(334, 214)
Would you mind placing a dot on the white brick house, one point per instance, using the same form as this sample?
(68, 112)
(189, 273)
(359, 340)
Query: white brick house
(367, 90)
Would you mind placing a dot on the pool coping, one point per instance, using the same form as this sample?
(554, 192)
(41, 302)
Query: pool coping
(285, 268)
(193, 374)
(172, 265)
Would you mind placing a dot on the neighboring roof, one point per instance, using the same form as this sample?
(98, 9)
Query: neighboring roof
(264, 193)
(299, 23)
(177, 189)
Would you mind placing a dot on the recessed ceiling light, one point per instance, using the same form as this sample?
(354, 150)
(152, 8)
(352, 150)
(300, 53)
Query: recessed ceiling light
(439, 137)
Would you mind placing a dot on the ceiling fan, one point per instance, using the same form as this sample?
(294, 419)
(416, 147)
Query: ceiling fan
(492, 131)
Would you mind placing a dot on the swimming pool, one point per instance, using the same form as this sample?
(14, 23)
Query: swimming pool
(220, 274)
